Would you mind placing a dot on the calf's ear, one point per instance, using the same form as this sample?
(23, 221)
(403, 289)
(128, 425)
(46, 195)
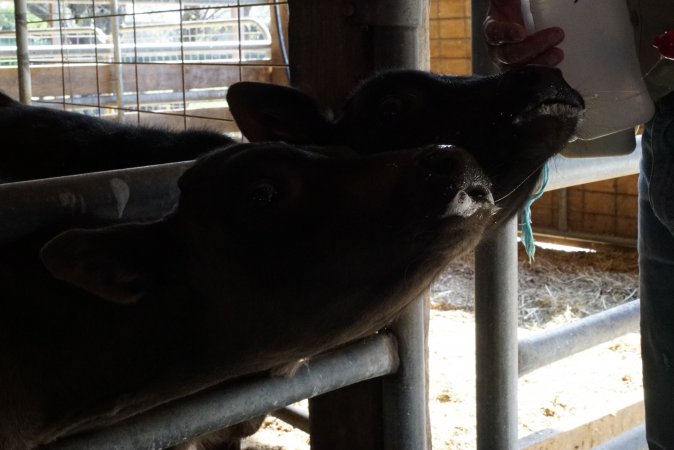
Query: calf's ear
(268, 112)
(6, 100)
(113, 263)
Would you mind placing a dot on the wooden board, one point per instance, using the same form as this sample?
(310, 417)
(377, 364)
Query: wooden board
(89, 79)
(589, 434)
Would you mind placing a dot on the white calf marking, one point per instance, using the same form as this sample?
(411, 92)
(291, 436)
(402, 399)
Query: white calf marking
(463, 205)
(122, 193)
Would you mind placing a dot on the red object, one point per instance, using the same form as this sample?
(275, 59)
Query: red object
(665, 44)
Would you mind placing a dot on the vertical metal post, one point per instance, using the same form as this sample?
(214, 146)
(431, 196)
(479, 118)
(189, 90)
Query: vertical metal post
(117, 60)
(480, 59)
(496, 339)
(404, 393)
(495, 307)
(333, 46)
(22, 55)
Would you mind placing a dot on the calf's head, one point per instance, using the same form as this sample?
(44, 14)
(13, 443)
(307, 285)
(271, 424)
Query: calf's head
(325, 242)
(511, 123)
(274, 253)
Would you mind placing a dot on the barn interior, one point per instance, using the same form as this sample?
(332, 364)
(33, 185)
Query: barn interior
(170, 63)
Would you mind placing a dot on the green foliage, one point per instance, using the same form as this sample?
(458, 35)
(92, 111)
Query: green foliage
(6, 16)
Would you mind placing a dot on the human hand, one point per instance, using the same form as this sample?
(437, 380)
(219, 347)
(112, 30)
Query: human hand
(508, 43)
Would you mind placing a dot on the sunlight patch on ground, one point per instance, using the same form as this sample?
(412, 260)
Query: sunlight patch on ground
(564, 248)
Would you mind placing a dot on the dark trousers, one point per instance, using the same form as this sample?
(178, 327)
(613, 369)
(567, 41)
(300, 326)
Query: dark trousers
(656, 264)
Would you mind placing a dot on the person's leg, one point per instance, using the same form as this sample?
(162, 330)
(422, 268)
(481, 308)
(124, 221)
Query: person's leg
(656, 264)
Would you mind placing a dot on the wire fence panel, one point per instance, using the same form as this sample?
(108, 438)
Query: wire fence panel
(165, 62)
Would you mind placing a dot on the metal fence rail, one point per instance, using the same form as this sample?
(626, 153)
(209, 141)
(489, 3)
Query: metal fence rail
(231, 41)
(147, 192)
(496, 339)
(634, 439)
(131, 194)
(544, 348)
(236, 402)
(566, 172)
(294, 417)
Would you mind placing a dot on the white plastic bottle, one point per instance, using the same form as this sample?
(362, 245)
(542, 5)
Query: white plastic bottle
(600, 61)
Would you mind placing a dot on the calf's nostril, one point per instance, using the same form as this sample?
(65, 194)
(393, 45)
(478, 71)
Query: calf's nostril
(480, 192)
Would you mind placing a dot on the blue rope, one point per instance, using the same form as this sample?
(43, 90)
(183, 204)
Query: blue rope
(527, 232)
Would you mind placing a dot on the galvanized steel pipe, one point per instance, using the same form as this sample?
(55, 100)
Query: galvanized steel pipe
(117, 59)
(496, 339)
(229, 404)
(495, 308)
(131, 194)
(153, 191)
(546, 347)
(634, 439)
(22, 55)
(404, 393)
(566, 172)
(293, 416)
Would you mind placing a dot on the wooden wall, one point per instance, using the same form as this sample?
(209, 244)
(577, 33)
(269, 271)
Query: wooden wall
(607, 208)
(450, 36)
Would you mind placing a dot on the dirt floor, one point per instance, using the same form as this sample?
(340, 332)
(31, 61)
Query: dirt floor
(556, 288)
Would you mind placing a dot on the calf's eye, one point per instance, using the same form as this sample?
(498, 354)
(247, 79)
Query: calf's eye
(262, 194)
(390, 108)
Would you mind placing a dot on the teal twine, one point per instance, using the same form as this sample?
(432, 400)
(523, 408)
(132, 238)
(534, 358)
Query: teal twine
(527, 232)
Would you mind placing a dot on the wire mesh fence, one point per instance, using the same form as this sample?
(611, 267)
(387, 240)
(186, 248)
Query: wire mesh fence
(165, 62)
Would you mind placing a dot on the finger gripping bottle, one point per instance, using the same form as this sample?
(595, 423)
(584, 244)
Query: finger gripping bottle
(600, 61)
(660, 77)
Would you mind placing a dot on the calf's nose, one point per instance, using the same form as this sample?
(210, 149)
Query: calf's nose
(455, 166)
(543, 83)
(460, 178)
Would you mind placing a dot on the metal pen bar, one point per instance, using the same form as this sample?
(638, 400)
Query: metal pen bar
(294, 417)
(153, 191)
(22, 55)
(566, 172)
(546, 347)
(144, 98)
(404, 393)
(229, 404)
(117, 52)
(400, 31)
(496, 339)
(131, 194)
(634, 439)
(495, 308)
